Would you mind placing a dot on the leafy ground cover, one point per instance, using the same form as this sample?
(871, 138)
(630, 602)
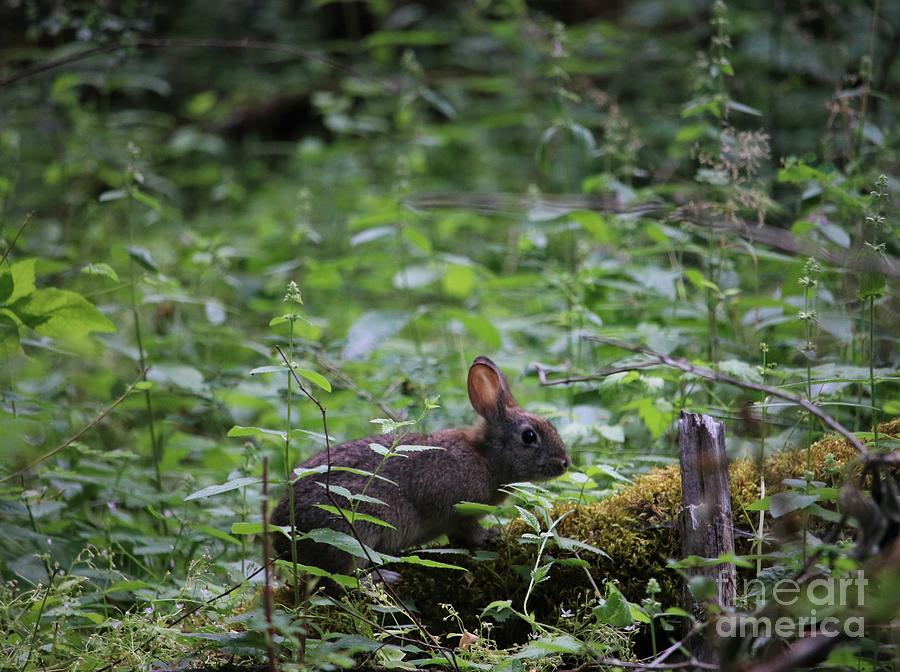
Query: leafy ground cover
(383, 191)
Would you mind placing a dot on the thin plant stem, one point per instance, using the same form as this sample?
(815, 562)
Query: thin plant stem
(288, 466)
(761, 464)
(872, 369)
(868, 76)
(267, 579)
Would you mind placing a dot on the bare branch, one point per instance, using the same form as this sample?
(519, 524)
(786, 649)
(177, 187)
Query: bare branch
(154, 43)
(15, 239)
(709, 374)
(360, 392)
(81, 432)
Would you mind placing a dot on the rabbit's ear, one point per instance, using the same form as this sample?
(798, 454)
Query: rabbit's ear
(488, 391)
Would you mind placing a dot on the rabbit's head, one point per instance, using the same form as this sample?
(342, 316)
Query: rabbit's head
(521, 446)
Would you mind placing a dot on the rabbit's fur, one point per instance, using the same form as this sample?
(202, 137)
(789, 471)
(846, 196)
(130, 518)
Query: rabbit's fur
(471, 466)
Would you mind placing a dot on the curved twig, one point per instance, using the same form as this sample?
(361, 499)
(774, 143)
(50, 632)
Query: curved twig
(158, 43)
(709, 374)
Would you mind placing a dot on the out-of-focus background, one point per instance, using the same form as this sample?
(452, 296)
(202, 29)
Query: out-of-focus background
(441, 180)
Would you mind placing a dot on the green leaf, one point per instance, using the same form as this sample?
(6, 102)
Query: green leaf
(254, 528)
(143, 257)
(354, 517)
(474, 508)
(416, 560)
(615, 609)
(18, 281)
(9, 338)
(287, 567)
(146, 199)
(128, 586)
(104, 270)
(60, 313)
(574, 544)
(541, 573)
(271, 435)
(782, 503)
(410, 448)
(459, 281)
(217, 534)
(313, 377)
(696, 278)
(530, 519)
(558, 644)
(228, 486)
(343, 542)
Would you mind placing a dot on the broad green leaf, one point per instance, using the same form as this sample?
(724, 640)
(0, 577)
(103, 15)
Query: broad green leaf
(18, 281)
(181, 375)
(615, 609)
(459, 281)
(60, 313)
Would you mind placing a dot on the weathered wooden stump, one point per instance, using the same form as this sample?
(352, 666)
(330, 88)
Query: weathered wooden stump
(706, 524)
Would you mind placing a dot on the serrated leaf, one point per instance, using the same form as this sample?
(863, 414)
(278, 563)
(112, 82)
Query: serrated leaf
(411, 448)
(529, 518)
(60, 313)
(541, 573)
(341, 491)
(104, 270)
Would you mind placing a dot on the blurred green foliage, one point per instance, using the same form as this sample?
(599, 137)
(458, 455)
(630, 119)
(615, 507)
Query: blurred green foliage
(441, 180)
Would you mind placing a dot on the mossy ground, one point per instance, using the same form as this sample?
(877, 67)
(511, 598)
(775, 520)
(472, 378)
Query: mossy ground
(636, 528)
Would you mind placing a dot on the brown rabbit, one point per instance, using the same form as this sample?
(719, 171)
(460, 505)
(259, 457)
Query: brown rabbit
(507, 445)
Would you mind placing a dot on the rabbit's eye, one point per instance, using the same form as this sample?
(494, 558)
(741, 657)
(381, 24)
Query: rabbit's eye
(529, 437)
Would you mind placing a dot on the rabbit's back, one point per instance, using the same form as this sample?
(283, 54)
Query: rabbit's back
(418, 487)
